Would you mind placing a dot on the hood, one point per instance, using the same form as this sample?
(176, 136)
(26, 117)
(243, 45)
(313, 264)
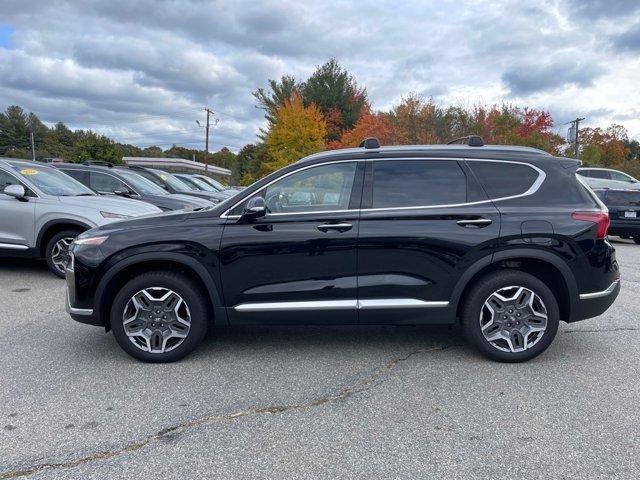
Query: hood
(121, 206)
(169, 202)
(214, 197)
(143, 221)
(188, 199)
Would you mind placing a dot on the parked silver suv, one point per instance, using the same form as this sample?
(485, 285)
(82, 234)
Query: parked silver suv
(42, 210)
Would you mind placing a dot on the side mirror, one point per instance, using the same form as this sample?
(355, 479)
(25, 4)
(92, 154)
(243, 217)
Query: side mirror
(121, 192)
(16, 191)
(256, 207)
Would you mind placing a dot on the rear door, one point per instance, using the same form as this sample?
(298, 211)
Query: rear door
(423, 222)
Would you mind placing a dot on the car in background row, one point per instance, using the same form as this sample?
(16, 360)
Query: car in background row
(42, 211)
(199, 184)
(216, 184)
(109, 179)
(173, 185)
(624, 212)
(608, 178)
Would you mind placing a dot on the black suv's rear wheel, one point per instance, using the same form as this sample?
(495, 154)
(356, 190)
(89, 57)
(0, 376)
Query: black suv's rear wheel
(159, 317)
(510, 316)
(57, 251)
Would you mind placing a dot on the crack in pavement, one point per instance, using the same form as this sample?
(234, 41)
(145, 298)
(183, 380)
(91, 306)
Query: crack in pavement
(600, 330)
(357, 387)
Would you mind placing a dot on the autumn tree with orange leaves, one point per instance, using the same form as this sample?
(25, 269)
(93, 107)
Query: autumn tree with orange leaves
(298, 130)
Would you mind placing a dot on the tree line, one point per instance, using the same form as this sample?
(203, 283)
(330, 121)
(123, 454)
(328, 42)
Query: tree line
(331, 110)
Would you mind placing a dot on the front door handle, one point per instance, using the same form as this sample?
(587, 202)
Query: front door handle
(475, 223)
(340, 227)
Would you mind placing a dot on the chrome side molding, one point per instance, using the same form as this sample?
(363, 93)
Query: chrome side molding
(367, 304)
(13, 246)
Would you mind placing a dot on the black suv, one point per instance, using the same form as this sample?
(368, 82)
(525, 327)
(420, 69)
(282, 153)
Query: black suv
(505, 240)
(624, 209)
(105, 178)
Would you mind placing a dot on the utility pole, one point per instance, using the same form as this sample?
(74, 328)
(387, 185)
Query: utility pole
(206, 142)
(575, 130)
(33, 146)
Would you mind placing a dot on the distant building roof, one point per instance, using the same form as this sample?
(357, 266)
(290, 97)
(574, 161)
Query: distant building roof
(154, 162)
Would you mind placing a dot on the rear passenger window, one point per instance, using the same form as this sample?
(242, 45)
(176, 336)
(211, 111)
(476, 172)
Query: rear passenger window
(414, 183)
(502, 179)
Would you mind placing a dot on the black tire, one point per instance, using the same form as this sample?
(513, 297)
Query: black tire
(59, 272)
(480, 292)
(636, 239)
(191, 294)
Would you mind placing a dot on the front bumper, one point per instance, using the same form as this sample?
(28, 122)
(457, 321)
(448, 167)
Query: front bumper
(82, 315)
(592, 304)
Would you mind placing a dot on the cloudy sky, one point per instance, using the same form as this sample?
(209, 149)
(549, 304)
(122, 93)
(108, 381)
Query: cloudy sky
(141, 70)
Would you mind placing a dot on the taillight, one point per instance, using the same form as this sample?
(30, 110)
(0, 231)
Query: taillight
(601, 219)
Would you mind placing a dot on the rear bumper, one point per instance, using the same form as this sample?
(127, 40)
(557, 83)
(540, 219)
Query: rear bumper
(592, 304)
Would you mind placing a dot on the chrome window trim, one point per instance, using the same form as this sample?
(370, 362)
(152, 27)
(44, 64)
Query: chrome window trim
(609, 290)
(352, 304)
(532, 189)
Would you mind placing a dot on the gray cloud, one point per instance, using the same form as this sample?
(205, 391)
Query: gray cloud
(143, 70)
(629, 41)
(532, 78)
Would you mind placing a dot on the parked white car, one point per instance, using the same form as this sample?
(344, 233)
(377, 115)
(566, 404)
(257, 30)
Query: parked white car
(608, 178)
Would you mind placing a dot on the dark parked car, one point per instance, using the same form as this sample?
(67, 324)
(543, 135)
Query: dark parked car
(505, 240)
(173, 185)
(624, 210)
(202, 185)
(216, 184)
(108, 179)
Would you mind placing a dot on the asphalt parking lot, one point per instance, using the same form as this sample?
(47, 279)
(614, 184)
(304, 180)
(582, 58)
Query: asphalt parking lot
(307, 402)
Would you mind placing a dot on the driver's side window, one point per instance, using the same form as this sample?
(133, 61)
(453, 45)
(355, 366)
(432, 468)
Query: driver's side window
(621, 177)
(315, 189)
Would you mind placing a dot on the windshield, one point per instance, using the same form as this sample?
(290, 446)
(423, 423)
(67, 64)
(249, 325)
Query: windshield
(51, 181)
(216, 184)
(623, 198)
(141, 184)
(173, 182)
(202, 184)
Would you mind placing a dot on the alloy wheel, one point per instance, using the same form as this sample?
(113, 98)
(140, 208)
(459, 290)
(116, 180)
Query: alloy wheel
(513, 319)
(156, 320)
(60, 253)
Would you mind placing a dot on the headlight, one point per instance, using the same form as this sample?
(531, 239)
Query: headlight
(91, 240)
(114, 215)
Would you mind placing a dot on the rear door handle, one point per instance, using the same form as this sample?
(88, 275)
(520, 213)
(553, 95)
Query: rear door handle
(340, 227)
(475, 223)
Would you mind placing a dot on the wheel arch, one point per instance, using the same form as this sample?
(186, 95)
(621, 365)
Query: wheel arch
(52, 227)
(550, 269)
(128, 268)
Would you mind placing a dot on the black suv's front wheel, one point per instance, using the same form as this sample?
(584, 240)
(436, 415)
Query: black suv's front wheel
(159, 317)
(510, 316)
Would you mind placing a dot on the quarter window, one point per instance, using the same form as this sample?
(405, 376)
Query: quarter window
(411, 183)
(502, 179)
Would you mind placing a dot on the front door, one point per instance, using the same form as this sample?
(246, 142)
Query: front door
(16, 218)
(297, 264)
(423, 222)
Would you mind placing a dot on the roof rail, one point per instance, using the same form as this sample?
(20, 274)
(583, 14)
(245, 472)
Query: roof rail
(371, 142)
(471, 140)
(98, 163)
